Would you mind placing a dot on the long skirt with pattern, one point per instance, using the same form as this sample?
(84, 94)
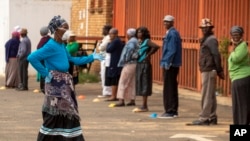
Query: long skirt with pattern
(61, 121)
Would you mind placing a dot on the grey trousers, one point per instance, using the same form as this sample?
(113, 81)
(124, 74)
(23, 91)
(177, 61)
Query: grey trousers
(23, 73)
(208, 101)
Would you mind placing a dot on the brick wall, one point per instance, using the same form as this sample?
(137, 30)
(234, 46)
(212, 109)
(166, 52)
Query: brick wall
(88, 20)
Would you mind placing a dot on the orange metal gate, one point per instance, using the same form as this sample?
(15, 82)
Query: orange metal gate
(187, 13)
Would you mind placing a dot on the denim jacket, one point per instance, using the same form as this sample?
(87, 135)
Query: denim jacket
(171, 49)
(129, 48)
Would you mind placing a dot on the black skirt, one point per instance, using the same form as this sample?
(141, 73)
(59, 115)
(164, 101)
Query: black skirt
(60, 128)
(144, 78)
(112, 76)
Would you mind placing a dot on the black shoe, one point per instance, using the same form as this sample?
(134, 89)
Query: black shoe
(108, 100)
(201, 122)
(213, 121)
(22, 89)
(119, 105)
(130, 104)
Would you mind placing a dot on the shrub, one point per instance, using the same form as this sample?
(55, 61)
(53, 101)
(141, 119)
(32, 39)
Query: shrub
(223, 47)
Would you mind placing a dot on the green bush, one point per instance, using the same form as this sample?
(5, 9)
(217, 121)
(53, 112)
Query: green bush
(223, 47)
(88, 78)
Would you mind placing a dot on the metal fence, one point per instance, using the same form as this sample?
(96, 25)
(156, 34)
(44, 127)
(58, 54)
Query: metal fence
(187, 13)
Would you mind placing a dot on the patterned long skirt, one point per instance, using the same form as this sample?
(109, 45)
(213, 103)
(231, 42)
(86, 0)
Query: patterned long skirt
(61, 121)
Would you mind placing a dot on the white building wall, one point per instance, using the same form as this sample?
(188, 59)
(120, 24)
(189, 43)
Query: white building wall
(4, 34)
(30, 14)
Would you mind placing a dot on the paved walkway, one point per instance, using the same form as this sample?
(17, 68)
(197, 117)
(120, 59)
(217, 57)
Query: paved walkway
(185, 93)
(20, 117)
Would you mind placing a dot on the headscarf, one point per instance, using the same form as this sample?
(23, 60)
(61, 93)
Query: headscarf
(15, 34)
(55, 22)
(237, 29)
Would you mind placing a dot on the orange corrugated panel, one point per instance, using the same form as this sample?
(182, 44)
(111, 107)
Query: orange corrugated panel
(119, 16)
(188, 13)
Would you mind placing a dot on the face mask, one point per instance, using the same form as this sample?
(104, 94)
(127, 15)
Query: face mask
(236, 43)
(65, 36)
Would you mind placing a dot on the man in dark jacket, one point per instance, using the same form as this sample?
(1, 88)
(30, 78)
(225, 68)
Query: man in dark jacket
(210, 67)
(114, 49)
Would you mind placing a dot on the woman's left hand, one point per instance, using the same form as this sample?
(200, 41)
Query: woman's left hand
(97, 56)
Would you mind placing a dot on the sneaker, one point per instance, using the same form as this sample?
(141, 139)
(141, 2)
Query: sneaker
(168, 116)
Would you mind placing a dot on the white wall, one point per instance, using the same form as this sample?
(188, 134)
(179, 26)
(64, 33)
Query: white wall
(30, 14)
(4, 34)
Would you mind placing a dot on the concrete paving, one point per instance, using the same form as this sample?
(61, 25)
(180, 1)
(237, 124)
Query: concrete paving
(20, 117)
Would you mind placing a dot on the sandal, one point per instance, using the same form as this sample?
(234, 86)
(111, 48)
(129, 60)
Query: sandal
(141, 109)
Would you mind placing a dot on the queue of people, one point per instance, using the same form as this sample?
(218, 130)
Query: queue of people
(17, 50)
(126, 72)
(171, 60)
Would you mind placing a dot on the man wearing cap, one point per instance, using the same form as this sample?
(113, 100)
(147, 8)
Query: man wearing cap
(210, 66)
(170, 62)
(23, 52)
